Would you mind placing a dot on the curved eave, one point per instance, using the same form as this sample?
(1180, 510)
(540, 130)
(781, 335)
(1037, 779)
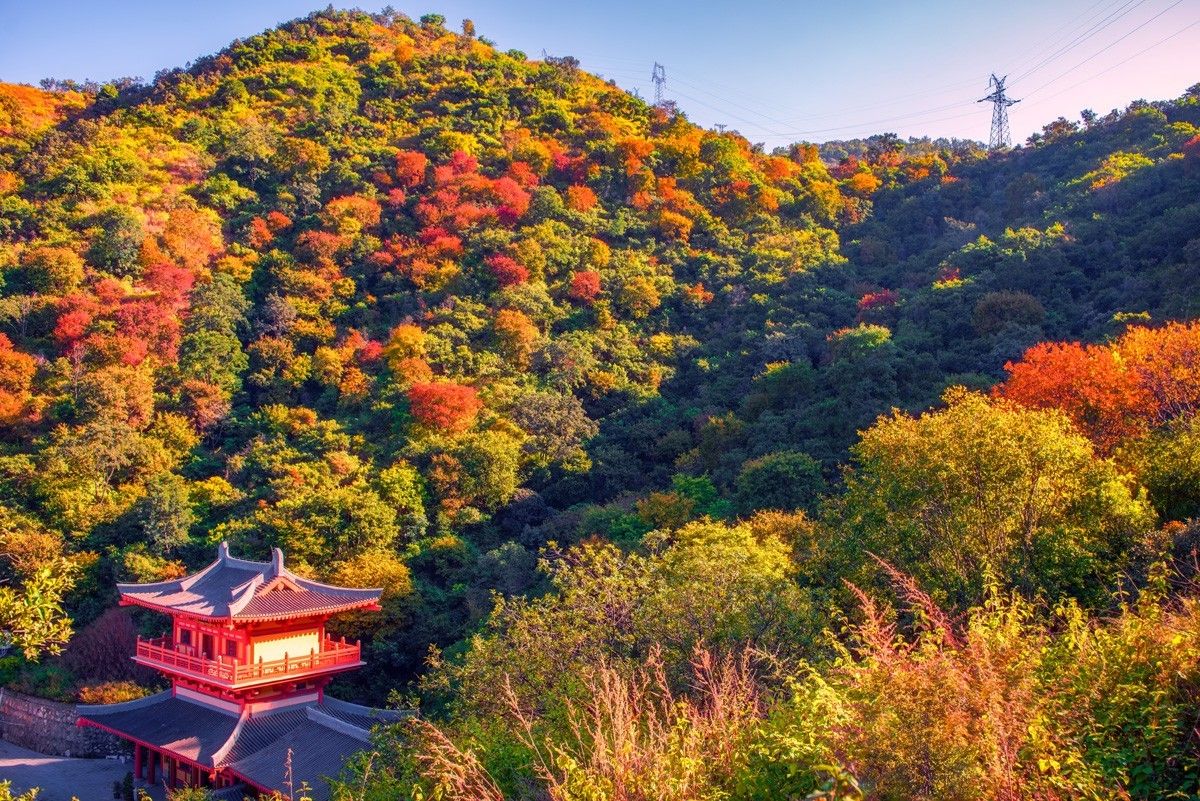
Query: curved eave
(369, 605)
(133, 600)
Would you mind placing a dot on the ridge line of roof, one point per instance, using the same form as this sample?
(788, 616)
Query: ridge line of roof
(125, 706)
(330, 722)
(335, 588)
(218, 756)
(365, 711)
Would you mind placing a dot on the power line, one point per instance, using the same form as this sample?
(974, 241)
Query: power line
(1054, 39)
(1097, 18)
(1120, 63)
(611, 69)
(786, 132)
(1113, 17)
(1107, 47)
(791, 121)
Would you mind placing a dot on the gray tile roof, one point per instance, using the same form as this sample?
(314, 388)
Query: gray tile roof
(320, 736)
(191, 730)
(240, 589)
(318, 752)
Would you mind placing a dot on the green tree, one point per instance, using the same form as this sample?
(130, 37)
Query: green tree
(6, 793)
(166, 513)
(558, 426)
(986, 488)
(783, 480)
(118, 241)
(1167, 461)
(708, 583)
(31, 614)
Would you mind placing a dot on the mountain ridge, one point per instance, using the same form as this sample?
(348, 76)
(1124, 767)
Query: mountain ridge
(411, 307)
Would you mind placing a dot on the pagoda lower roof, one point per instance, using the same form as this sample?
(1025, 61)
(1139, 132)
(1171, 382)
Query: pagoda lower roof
(244, 590)
(321, 735)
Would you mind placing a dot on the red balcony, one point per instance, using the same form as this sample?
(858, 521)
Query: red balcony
(162, 654)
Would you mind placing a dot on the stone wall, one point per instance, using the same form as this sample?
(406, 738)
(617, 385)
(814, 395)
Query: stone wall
(48, 727)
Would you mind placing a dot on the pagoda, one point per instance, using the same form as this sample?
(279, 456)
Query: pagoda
(248, 659)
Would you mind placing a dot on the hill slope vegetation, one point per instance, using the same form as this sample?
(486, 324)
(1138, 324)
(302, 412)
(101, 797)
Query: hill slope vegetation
(602, 399)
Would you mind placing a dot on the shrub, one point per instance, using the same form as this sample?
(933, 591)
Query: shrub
(1004, 706)
(100, 651)
(112, 692)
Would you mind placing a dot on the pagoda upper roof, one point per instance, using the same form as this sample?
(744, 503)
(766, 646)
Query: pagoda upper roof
(244, 590)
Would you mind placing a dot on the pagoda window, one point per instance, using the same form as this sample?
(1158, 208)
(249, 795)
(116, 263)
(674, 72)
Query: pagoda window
(269, 649)
(185, 636)
(231, 648)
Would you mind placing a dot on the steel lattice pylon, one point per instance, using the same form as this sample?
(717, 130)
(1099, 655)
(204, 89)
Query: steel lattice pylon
(1000, 103)
(659, 76)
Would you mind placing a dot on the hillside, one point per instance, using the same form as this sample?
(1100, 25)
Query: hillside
(423, 313)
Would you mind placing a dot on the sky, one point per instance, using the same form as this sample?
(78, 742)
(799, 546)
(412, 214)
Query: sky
(777, 71)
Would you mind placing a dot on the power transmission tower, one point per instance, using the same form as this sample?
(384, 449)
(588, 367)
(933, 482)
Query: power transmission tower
(1000, 103)
(659, 76)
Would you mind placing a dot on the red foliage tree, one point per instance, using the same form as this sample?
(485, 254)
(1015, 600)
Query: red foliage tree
(506, 270)
(259, 233)
(444, 405)
(512, 200)
(585, 286)
(75, 314)
(1192, 147)
(880, 299)
(100, 651)
(320, 246)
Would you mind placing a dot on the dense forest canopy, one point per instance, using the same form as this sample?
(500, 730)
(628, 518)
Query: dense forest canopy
(627, 417)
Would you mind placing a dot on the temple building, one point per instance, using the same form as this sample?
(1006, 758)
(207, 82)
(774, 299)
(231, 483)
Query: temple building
(248, 660)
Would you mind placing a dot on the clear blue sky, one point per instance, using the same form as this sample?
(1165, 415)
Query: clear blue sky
(776, 71)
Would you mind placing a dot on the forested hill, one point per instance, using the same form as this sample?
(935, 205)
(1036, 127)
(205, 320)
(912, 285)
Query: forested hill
(411, 308)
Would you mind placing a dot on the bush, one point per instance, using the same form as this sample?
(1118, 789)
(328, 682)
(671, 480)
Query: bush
(1003, 706)
(112, 692)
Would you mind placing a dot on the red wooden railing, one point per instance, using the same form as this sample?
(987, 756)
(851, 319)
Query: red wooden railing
(163, 654)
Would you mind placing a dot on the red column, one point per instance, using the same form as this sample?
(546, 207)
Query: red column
(152, 758)
(137, 761)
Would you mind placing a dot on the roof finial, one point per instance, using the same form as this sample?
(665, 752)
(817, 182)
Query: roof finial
(277, 561)
(223, 551)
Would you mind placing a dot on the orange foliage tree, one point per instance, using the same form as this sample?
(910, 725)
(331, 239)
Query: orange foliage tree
(1116, 392)
(16, 379)
(1087, 382)
(516, 334)
(1166, 363)
(444, 405)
